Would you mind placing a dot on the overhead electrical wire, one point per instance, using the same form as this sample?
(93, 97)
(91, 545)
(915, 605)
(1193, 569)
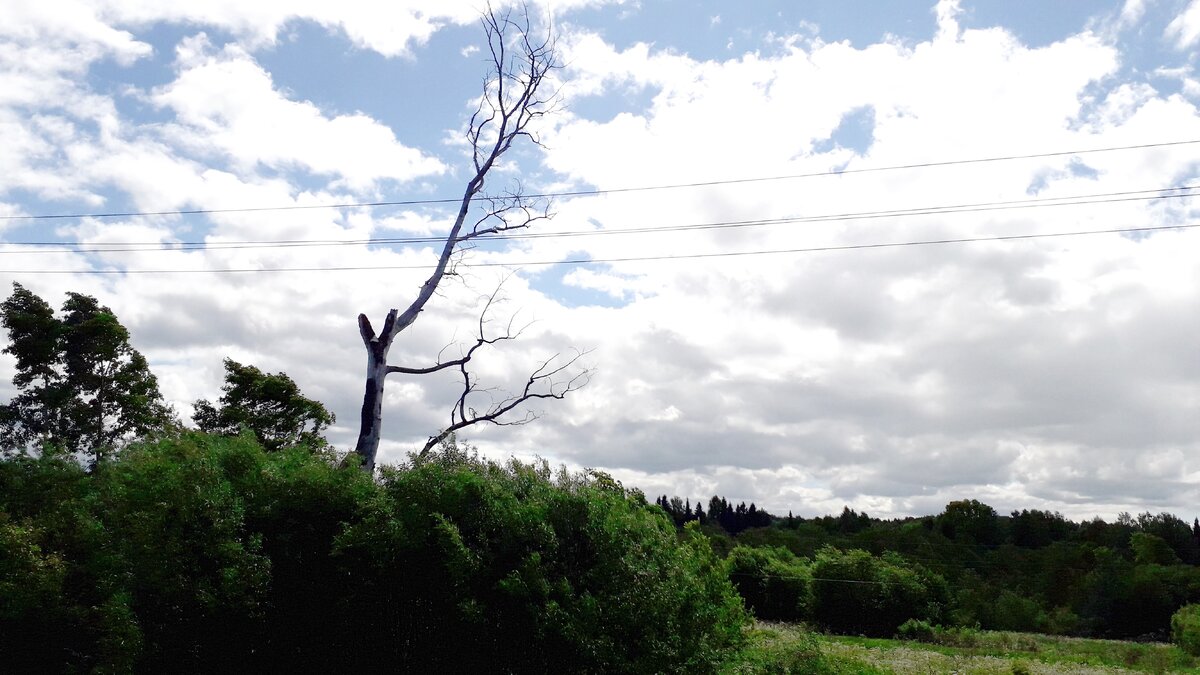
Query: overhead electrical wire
(1035, 202)
(608, 191)
(590, 261)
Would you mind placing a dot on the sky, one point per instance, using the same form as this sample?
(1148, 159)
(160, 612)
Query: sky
(883, 301)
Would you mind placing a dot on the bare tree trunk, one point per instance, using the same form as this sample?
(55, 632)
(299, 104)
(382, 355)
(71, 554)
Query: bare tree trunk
(511, 101)
(372, 407)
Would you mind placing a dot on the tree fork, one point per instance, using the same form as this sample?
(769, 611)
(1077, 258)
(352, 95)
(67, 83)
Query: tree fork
(511, 101)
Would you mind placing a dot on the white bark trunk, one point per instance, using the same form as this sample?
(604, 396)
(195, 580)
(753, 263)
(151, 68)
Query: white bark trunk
(509, 104)
(372, 408)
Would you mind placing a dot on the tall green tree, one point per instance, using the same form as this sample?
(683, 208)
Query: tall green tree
(82, 385)
(269, 405)
(970, 521)
(115, 396)
(36, 413)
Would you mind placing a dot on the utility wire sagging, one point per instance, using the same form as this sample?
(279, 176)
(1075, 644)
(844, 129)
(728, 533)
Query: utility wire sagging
(1150, 194)
(1004, 205)
(585, 193)
(597, 261)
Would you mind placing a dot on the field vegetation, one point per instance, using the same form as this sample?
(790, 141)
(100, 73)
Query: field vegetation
(789, 648)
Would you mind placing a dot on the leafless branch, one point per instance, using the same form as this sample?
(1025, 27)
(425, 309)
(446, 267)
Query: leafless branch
(514, 98)
(547, 381)
(481, 340)
(509, 105)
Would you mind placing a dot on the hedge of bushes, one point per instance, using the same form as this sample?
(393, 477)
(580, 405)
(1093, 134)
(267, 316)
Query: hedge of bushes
(205, 553)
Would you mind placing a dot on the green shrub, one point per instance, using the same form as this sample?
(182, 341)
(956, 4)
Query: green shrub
(513, 568)
(1185, 629)
(856, 592)
(775, 584)
(1062, 621)
(967, 637)
(916, 630)
(1013, 612)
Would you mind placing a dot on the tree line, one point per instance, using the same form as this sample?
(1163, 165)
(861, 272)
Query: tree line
(82, 388)
(731, 519)
(1031, 570)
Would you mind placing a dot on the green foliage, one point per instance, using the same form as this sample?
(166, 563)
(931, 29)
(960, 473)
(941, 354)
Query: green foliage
(549, 573)
(205, 553)
(1036, 529)
(196, 575)
(269, 405)
(1062, 621)
(1185, 629)
(61, 608)
(1040, 572)
(781, 537)
(1128, 599)
(1175, 532)
(916, 630)
(1015, 612)
(1149, 549)
(36, 413)
(970, 521)
(31, 581)
(856, 592)
(83, 387)
(775, 584)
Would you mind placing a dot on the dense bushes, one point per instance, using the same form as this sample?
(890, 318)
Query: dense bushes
(775, 584)
(569, 573)
(859, 593)
(1185, 629)
(205, 553)
(844, 591)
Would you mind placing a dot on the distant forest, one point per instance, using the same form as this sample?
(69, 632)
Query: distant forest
(1030, 570)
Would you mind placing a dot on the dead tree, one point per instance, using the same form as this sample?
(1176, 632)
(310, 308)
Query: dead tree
(514, 97)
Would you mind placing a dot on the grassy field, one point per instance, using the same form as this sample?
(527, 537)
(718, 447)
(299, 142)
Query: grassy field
(782, 648)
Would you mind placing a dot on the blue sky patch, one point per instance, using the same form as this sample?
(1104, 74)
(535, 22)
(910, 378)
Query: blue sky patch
(855, 132)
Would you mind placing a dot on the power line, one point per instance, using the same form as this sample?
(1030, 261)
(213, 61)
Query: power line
(1176, 192)
(609, 191)
(593, 261)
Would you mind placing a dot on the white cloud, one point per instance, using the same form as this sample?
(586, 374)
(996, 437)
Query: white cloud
(1053, 373)
(73, 27)
(896, 378)
(1132, 12)
(611, 285)
(391, 28)
(227, 101)
(1185, 28)
(947, 12)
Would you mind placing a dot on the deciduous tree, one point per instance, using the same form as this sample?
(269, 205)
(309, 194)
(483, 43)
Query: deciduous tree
(268, 404)
(82, 385)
